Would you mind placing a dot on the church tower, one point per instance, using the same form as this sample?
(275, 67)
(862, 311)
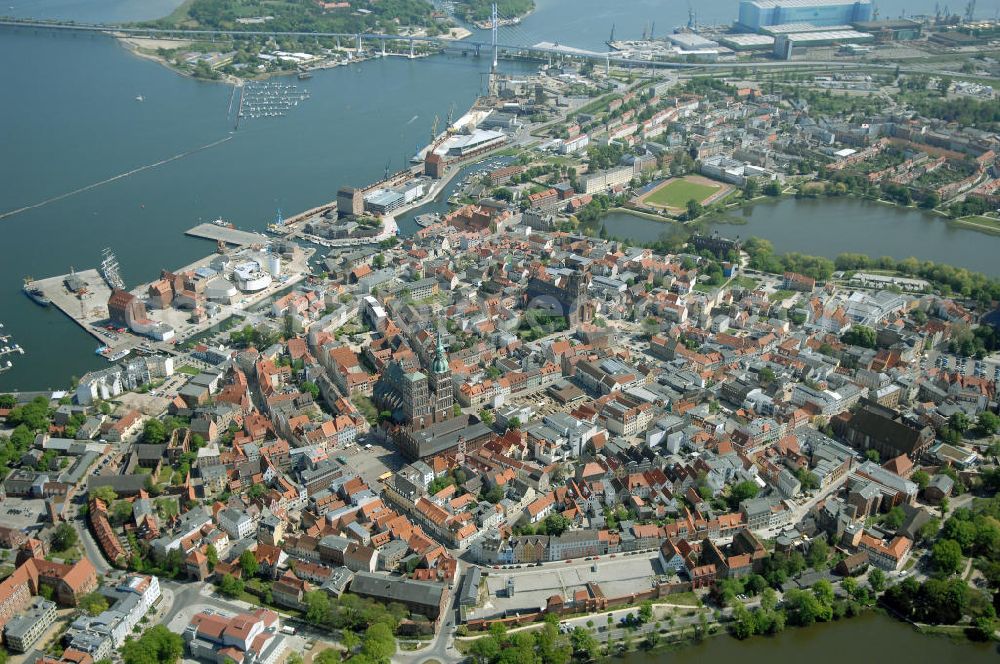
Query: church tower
(439, 382)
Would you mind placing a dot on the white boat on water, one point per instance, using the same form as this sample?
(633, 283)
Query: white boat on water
(140, 98)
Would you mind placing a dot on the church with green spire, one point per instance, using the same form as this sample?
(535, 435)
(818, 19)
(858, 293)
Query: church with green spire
(416, 398)
(439, 382)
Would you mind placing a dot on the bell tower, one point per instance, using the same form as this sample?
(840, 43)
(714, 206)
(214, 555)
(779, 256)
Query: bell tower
(439, 382)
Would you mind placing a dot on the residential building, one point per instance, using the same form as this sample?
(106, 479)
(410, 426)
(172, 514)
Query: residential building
(21, 633)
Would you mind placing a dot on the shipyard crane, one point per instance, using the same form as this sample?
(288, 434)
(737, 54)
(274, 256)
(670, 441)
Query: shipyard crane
(970, 10)
(451, 115)
(434, 128)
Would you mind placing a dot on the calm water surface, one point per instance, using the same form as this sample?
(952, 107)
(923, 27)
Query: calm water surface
(70, 119)
(827, 227)
(869, 638)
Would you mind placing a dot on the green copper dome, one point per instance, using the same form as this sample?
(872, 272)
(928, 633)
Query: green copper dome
(440, 364)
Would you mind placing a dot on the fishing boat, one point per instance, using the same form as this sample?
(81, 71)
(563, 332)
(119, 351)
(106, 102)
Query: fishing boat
(425, 220)
(303, 75)
(117, 355)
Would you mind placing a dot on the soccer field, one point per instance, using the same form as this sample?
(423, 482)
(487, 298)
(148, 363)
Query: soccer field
(676, 193)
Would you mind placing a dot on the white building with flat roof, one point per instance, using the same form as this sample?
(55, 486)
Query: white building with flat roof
(251, 277)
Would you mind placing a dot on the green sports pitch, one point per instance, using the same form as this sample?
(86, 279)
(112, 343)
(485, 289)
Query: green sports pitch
(676, 193)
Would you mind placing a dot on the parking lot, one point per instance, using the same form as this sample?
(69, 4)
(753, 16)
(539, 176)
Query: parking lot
(533, 586)
(372, 462)
(22, 513)
(988, 368)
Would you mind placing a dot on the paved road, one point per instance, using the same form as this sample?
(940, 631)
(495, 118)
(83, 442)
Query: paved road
(801, 510)
(442, 647)
(182, 600)
(661, 614)
(93, 551)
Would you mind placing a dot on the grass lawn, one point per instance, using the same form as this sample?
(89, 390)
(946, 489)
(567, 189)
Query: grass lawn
(781, 295)
(676, 194)
(744, 282)
(980, 222)
(687, 599)
(597, 104)
(72, 553)
(189, 370)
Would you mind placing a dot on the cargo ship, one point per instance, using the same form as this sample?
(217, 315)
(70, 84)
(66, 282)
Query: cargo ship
(35, 293)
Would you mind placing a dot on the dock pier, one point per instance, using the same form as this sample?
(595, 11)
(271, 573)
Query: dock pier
(87, 307)
(228, 235)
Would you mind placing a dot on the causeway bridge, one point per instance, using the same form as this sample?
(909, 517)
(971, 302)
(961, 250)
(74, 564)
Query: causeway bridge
(374, 41)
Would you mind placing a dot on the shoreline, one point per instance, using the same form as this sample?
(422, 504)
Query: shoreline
(713, 216)
(130, 45)
(134, 46)
(642, 215)
(594, 230)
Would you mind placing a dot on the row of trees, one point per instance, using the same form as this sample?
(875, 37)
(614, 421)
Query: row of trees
(553, 524)
(544, 646)
(355, 617)
(948, 278)
(941, 601)
(763, 258)
(307, 17)
(27, 420)
(158, 645)
(481, 10)
(859, 335)
(800, 607)
(947, 598)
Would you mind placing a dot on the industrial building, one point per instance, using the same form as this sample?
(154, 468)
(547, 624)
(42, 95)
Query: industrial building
(899, 29)
(382, 201)
(747, 42)
(465, 145)
(785, 42)
(350, 202)
(757, 14)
